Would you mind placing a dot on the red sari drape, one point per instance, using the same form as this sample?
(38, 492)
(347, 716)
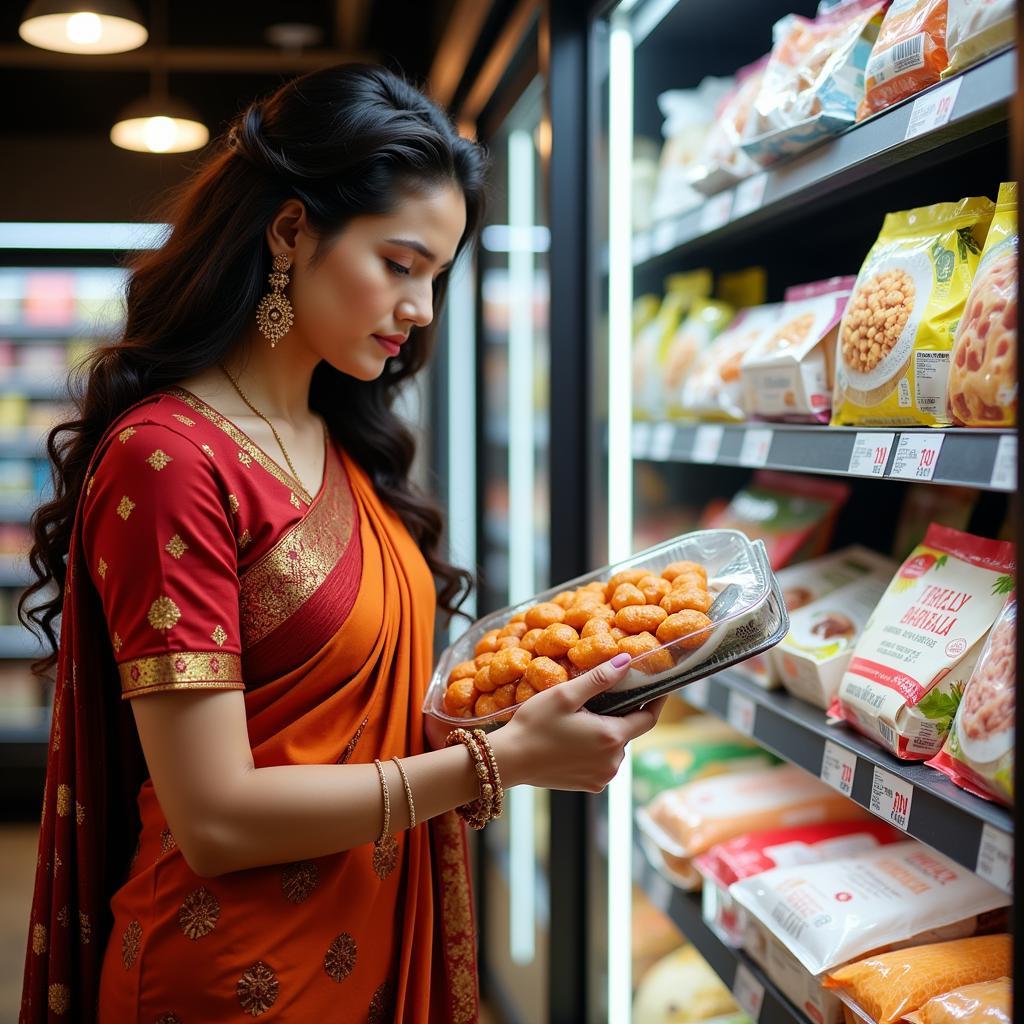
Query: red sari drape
(196, 562)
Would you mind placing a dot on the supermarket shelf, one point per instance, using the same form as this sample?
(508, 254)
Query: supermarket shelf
(985, 459)
(873, 148)
(939, 813)
(18, 644)
(684, 910)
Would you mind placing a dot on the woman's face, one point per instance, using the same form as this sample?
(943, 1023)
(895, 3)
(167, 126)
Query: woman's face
(373, 283)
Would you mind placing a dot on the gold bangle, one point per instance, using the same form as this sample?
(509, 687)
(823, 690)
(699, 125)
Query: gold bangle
(408, 792)
(492, 763)
(477, 812)
(385, 847)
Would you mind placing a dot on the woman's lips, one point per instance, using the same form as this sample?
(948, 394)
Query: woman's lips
(391, 347)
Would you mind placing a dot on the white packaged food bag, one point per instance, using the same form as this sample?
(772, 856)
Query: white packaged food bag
(827, 914)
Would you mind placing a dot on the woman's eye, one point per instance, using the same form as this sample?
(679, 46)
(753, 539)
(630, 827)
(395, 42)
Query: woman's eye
(397, 268)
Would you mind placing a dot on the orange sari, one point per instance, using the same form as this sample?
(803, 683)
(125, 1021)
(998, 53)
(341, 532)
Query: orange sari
(332, 645)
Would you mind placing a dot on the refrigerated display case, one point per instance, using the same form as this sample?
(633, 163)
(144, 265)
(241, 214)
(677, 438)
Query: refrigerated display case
(806, 217)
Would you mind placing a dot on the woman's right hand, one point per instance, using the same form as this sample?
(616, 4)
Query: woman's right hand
(553, 742)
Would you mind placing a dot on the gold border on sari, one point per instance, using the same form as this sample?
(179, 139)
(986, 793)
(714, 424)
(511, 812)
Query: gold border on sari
(182, 670)
(290, 573)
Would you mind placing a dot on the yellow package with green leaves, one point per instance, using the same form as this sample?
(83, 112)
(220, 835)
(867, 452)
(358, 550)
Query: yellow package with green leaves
(896, 336)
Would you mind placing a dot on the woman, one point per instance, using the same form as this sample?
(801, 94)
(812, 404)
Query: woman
(251, 574)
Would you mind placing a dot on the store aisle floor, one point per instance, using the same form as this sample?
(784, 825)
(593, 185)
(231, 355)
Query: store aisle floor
(18, 844)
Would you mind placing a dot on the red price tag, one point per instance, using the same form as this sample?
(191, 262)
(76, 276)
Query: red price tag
(916, 456)
(870, 453)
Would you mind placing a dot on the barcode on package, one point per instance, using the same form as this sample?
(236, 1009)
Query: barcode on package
(898, 59)
(887, 734)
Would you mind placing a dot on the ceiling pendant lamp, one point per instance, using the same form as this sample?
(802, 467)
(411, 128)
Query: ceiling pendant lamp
(83, 26)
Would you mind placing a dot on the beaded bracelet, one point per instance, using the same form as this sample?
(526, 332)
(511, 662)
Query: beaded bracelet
(477, 812)
(492, 764)
(408, 792)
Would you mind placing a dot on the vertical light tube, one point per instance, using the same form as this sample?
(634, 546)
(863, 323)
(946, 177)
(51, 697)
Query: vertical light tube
(521, 484)
(620, 479)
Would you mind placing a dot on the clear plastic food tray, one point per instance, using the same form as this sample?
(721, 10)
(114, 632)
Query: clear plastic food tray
(749, 618)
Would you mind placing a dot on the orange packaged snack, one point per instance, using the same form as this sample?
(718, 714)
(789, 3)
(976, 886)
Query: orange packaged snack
(556, 640)
(687, 627)
(508, 667)
(540, 616)
(987, 1002)
(594, 650)
(543, 673)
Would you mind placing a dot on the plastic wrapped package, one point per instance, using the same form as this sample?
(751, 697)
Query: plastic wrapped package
(920, 646)
(832, 912)
(683, 989)
(896, 336)
(978, 752)
(707, 319)
(814, 79)
(984, 1002)
(908, 56)
(787, 375)
(975, 29)
(884, 988)
(983, 372)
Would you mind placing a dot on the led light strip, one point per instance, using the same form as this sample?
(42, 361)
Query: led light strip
(43, 235)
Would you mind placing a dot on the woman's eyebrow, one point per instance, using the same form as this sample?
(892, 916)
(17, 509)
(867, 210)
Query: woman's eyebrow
(411, 243)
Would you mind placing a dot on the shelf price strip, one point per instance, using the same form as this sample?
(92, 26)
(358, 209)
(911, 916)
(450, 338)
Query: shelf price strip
(748, 992)
(870, 453)
(995, 858)
(916, 456)
(741, 713)
(715, 212)
(755, 448)
(641, 439)
(662, 439)
(707, 441)
(696, 693)
(749, 195)
(1004, 470)
(891, 798)
(933, 109)
(838, 766)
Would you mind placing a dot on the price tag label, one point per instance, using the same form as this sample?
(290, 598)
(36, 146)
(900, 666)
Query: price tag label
(933, 109)
(696, 693)
(891, 798)
(662, 438)
(916, 456)
(707, 441)
(995, 858)
(748, 992)
(664, 237)
(749, 195)
(741, 713)
(715, 212)
(641, 439)
(1004, 472)
(837, 767)
(870, 453)
(641, 247)
(755, 447)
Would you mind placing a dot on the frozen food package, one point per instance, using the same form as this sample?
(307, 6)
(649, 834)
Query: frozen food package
(978, 752)
(803, 584)
(706, 320)
(908, 56)
(811, 661)
(896, 336)
(683, 989)
(794, 515)
(681, 823)
(975, 29)
(886, 987)
(983, 371)
(696, 748)
(712, 389)
(787, 375)
(651, 342)
(918, 649)
(814, 78)
(832, 912)
(984, 1002)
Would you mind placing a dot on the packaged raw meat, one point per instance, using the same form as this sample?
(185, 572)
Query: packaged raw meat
(977, 28)
(896, 336)
(832, 912)
(918, 650)
(983, 373)
(794, 515)
(908, 56)
(706, 320)
(811, 661)
(884, 988)
(805, 583)
(984, 1002)
(814, 78)
(978, 752)
(681, 823)
(683, 989)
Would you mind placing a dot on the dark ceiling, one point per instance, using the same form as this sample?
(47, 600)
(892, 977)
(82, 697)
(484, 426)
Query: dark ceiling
(53, 95)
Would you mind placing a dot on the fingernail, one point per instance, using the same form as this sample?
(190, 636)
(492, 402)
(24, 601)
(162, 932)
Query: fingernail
(621, 660)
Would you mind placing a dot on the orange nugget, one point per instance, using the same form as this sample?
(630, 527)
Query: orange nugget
(643, 645)
(529, 639)
(564, 599)
(488, 643)
(678, 568)
(483, 659)
(518, 617)
(654, 588)
(594, 650)
(556, 640)
(540, 616)
(644, 618)
(617, 634)
(505, 642)
(516, 629)
(508, 667)
(482, 680)
(627, 594)
(690, 628)
(505, 696)
(543, 673)
(459, 698)
(687, 600)
(593, 626)
(486, 705)
(625, 576)
(524, 691)
(464, 670)
(690, 581)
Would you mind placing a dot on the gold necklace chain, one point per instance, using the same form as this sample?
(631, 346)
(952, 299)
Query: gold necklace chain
(277, 436)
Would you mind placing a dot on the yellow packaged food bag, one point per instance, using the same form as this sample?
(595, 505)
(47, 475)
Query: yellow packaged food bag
(896, 336)
(987, 1002)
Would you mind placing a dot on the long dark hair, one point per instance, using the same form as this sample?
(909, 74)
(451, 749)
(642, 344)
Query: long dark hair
(346, 141)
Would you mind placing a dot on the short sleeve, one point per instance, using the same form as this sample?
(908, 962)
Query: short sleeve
(161, 550)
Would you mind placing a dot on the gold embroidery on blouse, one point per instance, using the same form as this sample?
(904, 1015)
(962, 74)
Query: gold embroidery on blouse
(350, 747)
(236, 435)
(233, 502)
(126, 434)
(257, 989)
(63, 800)
(58, 998)
(295, 501)
(159, 459)
(298, 880)
(456, 914)
(102, 569)
(88, 486)
(288, 575)
(167, 841)
(207, 450)
(245, 540)
(244, 459)
(340, 957)
(184, 419)
(185, 670)
(84, 928)
(63, 917)
(130, 943)
(198, 914)
(117, 642)
(39, 939)
(218, 636)
(79, 813)
(163, 613)
(176, 547)
(124, 509)
(385, 856)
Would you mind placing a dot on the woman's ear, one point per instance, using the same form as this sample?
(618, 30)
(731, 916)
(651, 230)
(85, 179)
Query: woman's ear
(284, 231)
